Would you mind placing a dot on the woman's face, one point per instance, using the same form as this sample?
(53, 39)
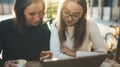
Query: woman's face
(33, 13)
(71, 13)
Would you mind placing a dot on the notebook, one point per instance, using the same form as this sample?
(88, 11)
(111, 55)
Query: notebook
(88, 61)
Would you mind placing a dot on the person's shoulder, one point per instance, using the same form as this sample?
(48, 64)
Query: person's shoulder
(5, 24)
(91, 23)
(6, 21)
(45, 26)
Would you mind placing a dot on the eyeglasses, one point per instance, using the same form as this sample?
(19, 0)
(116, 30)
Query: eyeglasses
(74, 16)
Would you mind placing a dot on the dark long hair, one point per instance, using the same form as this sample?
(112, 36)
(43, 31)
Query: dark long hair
(19, 7)
(79, 28)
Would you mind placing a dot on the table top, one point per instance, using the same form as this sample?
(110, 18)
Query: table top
(33, 64)
(110, 63)
(106, 63)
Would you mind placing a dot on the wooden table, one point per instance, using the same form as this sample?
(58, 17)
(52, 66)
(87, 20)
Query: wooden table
(33, 64)
(106, 63)
(110, 63)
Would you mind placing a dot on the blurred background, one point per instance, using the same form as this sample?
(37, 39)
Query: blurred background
(106, 13)
(102, 9)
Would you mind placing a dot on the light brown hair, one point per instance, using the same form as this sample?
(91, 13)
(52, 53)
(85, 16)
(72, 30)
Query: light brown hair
(79, 28)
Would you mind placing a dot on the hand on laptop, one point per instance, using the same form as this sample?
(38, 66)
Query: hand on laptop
(68, 51)
(45, 55)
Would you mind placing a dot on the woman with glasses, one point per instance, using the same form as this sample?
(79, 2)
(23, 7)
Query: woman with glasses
(72, 34)
(26, 35)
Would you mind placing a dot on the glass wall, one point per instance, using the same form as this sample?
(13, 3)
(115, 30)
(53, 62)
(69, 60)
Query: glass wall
(6, 6)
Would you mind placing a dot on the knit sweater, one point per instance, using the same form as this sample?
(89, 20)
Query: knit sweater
(23, 45)
(92, 36)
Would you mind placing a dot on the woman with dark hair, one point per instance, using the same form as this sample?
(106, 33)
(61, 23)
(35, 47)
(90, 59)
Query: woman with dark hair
(26, 35)
(72, 35)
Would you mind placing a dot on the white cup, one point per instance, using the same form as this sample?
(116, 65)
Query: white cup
(20, 62)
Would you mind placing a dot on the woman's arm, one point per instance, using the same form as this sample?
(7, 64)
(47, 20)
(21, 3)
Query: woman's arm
(1, 44)
(96, 38)
(97, 41)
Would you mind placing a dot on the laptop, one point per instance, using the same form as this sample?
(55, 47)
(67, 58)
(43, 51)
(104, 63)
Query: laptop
(87, 61)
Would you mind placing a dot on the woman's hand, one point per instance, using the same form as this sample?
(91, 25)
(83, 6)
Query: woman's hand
(9, 63)
(45, 55)
(67, 51)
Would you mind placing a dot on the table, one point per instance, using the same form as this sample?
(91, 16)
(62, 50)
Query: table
(110, 63)
(106, 63)
(33, 64)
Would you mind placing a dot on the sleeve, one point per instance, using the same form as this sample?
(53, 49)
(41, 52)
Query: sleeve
(97, 41)
(96, 38)
(1, 44)
(55, 44)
